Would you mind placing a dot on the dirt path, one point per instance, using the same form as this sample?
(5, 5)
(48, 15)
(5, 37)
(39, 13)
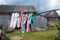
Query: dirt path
(16, 38)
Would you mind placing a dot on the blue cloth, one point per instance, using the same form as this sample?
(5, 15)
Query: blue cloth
(22, 23)
(23, 27)
(31, 19)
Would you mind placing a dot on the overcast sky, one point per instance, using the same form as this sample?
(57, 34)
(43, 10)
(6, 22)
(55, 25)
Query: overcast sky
(40, 5)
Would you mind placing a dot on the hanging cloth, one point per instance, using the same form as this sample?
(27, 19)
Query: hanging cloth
(15, 20)
(18, 20)
(30, 22)
(22, 17)
(31, 19)
(12, 20)
(26, 18)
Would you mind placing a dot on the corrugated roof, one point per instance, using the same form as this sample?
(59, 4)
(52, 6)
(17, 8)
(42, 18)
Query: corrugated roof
(51, 14)
(15, 8)
(6, 8)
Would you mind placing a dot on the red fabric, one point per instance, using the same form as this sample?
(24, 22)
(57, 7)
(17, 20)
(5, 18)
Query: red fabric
(26, 18)
(21, 13)
(30, 27)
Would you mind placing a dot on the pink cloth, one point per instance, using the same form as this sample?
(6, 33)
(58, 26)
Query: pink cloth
(21, 13)
(26, 18)
(27, 26)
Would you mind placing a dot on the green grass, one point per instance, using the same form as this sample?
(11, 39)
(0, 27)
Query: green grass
(46, 35)
(36, 35)
(15, 33)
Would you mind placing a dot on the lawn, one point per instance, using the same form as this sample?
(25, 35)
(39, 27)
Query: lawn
(46, 35)
(35, 35)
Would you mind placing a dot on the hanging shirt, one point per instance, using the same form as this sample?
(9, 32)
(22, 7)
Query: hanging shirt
(31, 19)
(20, 17)
(15, 19)
(23, 18)
(12, 20)
(26, 18)
(18, 20)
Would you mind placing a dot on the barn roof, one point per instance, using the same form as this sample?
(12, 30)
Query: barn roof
(51, 14)
(16, 8)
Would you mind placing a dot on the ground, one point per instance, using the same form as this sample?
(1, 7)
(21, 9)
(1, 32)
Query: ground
(35, 35)
(15, 38)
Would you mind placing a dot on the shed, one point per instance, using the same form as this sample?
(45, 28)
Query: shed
(7, 10)
(52, 15)
(40, 22)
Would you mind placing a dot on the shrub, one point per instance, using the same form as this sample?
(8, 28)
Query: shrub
(58, 28)
(1, 26)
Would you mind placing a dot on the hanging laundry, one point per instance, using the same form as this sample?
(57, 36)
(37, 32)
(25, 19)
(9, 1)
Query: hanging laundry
(25, 22)
(30, 22)
(22, 17)
(14, 19)
(32, 19)
(26, 18)
(18, 20)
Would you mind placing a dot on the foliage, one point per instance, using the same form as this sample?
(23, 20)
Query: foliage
(58, 28)
(1, 26)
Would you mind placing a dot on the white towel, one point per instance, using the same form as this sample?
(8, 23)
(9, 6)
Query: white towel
(12, 18)
(16, 20)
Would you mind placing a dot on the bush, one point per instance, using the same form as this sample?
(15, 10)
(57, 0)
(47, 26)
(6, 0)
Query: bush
(58, 28)
(1, 26)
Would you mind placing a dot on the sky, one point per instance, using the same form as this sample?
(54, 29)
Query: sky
(40, 5)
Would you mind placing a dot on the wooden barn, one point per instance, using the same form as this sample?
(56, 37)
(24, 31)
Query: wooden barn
(7, 10)
(40, 22)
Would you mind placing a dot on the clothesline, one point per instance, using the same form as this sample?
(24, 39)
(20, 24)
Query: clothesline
(22, 20)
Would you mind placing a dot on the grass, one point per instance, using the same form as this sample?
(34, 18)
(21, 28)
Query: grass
(46, 35)
(15, 33)
(35, 35)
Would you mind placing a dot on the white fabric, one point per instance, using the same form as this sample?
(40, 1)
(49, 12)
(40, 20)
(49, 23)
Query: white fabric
(18, 21)
(14, 19)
